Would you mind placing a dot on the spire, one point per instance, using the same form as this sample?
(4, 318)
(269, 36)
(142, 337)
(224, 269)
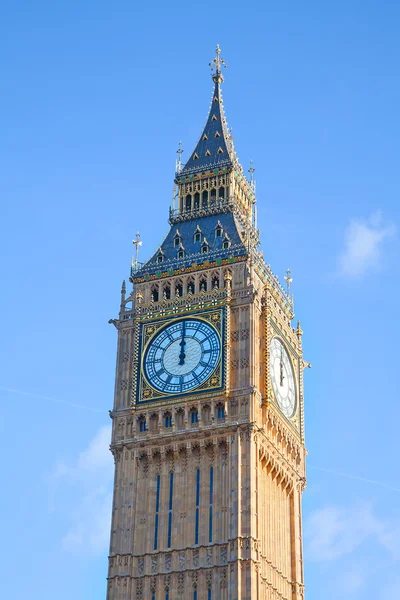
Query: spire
(214, 150)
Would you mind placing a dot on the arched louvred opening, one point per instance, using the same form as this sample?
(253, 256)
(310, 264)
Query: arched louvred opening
(205, 199)
(181, 204)
(179, 289)
(167, 292)
(189, 202)
(190, 286)
(154, 294)
(215, 281)
(221, 192)
(213, 195)
(203, 284)
(196, 201)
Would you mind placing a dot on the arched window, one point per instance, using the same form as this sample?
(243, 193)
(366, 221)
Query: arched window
(189, 202)
(194, 416)
(220, 411)
(204, 248)
(196, 201)
(177, 241)
(226, 243)
(213, 195)
(142, 424)
(218, 231)
(205, 199)
(160, 257)
(167, 292)
(221, 192)
(179, 290)
(167, 420)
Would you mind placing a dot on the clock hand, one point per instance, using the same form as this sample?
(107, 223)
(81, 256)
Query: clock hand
(182, 344)
(281, 369)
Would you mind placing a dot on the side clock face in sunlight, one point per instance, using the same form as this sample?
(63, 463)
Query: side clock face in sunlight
(282, 378)
(182, 356)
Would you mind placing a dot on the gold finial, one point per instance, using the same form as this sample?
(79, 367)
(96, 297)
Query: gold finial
(216, 65)
(288, 278)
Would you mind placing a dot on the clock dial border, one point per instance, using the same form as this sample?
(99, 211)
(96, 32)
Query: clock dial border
(295, 356)
(145, 392)
(292, 367)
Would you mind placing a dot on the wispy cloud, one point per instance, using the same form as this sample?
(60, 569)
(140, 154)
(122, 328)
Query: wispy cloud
(355, 477)
(87, 486)
(364, 239)
(50, 399)
(333, 531)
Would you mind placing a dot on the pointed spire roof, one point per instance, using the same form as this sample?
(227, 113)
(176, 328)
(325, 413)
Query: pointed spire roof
(214, 150)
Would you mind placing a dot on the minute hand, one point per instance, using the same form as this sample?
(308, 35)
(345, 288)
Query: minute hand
(182, 344)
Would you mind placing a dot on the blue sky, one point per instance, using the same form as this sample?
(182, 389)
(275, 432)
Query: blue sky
(95, 98)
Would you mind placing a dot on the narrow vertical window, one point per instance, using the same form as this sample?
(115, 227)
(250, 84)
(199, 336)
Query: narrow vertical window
(210, 515)
(157, 511)
(167, 594)
(195, 592)
(196, 527)
(209, 593)
(171, 493)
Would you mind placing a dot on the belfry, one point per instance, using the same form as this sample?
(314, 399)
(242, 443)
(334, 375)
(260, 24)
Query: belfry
(208, 415)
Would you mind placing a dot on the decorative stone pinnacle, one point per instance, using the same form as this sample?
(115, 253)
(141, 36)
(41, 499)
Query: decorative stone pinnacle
(299, 331)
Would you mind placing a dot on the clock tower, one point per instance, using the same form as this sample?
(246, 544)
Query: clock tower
(208, 417)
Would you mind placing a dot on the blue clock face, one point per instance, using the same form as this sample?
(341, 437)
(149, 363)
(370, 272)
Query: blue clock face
(182, 356)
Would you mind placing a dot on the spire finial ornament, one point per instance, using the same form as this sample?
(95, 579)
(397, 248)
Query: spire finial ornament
(288, 278)
(179, 152)
(216, 65)
(137, 243)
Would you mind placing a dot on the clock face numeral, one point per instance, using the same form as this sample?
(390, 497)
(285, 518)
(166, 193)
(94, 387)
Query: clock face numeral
(282, 378)
(182, 356)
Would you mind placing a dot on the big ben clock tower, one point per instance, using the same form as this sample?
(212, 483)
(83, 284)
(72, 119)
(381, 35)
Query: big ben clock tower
(208, 418)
